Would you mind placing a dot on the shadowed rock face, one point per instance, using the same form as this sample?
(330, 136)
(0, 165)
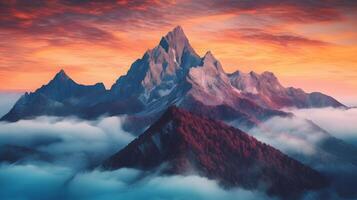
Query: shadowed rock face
(62, 88)
(159, 70)
(60, 97)
(181, 143)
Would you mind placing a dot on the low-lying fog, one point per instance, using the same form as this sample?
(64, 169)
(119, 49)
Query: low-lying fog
(73, 145)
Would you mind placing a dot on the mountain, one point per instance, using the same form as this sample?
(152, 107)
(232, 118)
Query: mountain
(266, 90)
(183, 143)
(60, 97)
(159, 70)
(210, 90)
(172, 73)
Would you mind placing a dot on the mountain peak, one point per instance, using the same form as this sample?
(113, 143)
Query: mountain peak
(160, 69)
(178, 30)
(62, 71)
(234, 74)
(174, 113)
(209, 56)
(269, 75)
(210, 61)
(176, 40)
(62, 76)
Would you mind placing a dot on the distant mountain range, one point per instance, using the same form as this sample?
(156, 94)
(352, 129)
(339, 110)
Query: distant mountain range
(265, 90)
(172, 73)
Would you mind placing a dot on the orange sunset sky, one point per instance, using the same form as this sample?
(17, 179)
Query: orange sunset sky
(306, 43)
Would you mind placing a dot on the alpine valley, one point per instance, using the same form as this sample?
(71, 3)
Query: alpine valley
(191, 117)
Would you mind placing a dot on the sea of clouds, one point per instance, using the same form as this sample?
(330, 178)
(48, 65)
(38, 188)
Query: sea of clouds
(341, 123)
(300, 136)
(55, 182)
(307, 128)
(75, 144)
(69, 141)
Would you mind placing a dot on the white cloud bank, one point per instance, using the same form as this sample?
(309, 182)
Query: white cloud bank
(290, 135)
(75, 143)
(341, 123)
(54, 182)
(299, 134)
(300, 138)
(68, 140)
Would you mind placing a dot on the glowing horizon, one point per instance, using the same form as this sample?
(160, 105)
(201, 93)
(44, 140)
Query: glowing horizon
(307, 45)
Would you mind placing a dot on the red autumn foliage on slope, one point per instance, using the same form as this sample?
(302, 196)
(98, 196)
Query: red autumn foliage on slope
(185, 143)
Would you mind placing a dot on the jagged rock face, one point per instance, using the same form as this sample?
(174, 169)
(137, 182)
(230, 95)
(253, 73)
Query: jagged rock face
(210, 85)
(159, 70)
(173, 74)
(211, 93)
(182, 143)
(266, 90)
(206, 88)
